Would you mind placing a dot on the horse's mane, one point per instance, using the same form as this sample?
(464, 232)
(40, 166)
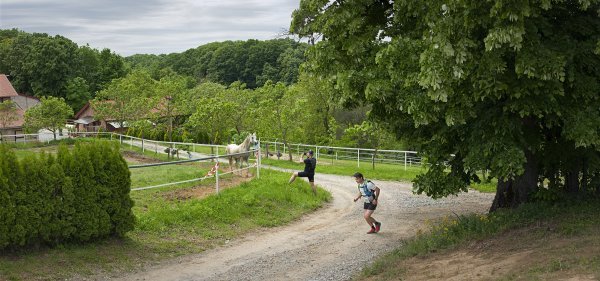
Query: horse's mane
(242, 147)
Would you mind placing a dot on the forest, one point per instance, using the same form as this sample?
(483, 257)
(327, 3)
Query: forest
(214, 93)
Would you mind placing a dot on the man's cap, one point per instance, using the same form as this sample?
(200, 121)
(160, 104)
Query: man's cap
(358, 175)
(310, 152)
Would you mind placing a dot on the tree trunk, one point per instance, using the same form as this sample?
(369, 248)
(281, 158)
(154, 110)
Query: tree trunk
(584, 176)
(289, 150)
(572, 180)
(267, 150)
(512, 193)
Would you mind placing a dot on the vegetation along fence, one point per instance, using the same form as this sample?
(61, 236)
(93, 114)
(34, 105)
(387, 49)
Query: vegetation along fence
(191, 152)
(333, 153)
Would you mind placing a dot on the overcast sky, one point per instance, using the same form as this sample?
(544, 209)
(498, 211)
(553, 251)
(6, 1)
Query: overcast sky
(151, 26)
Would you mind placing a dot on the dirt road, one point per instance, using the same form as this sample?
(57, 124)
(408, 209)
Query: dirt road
(330, 244)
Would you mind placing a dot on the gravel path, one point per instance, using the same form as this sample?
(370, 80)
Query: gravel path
(330, 244)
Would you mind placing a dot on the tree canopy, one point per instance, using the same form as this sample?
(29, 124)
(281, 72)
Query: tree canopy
(43, 65)
(252, 62)
(506, 86)
(50, 114)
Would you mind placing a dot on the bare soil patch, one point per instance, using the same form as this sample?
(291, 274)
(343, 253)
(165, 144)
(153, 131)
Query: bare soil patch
(531, 253)
(203, 190)
(134, 157)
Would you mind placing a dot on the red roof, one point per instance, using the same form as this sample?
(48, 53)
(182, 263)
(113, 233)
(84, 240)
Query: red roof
(6, 88)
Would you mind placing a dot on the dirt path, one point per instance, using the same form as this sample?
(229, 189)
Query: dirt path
(329, 244)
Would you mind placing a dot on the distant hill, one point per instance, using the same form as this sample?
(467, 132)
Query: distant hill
(253, 62)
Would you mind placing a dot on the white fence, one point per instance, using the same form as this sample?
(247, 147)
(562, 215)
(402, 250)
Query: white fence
(333, 153)
(193, 152)
(364, 155)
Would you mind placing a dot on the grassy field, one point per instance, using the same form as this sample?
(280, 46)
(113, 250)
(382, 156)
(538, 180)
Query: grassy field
(537, 241)
(172, 221)
(382, 171)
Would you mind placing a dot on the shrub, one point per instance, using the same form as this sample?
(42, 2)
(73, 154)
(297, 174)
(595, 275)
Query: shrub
(77, 196)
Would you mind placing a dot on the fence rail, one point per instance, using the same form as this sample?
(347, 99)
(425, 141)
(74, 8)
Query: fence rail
(334, 153)
(360, 155)
(144, 144)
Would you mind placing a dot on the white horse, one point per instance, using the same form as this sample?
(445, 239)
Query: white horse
(243, 147)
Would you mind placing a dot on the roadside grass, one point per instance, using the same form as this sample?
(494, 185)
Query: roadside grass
(392, 172)
(168, 227)
(574, 221)
(348, 168)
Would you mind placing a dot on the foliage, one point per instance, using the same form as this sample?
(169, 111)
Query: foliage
(282, 111)
(75, 196)
(251, 62)
(51, 114)
(509, 87)
(44, 65)
(168, 228)
(213, 114)
(77, 93)
(8, 113)
(126, 99)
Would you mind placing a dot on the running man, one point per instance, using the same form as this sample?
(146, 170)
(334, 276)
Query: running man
(310, 164)
(370, 193)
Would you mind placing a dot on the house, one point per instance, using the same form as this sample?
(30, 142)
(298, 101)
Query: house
(13, 124)
(85, 121)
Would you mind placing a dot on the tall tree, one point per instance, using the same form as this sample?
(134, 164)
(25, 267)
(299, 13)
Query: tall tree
(126, 99)
(77, 93)
(283, 112)
(475, 85)
(51, 114)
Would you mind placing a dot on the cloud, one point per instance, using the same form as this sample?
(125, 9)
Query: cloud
(153, 26)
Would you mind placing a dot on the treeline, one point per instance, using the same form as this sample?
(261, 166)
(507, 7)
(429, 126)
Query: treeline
(237, 86)
(75, 196)
(251, 62)
(43, 65)
(169, 109)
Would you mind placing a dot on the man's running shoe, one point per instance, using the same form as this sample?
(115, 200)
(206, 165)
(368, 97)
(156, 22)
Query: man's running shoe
(377, 226)
(372, 230)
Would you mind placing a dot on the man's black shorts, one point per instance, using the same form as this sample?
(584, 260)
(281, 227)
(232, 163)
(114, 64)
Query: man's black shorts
(310, 176)
(369, 206)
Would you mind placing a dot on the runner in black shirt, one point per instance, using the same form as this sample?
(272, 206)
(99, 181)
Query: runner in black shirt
(310, 164)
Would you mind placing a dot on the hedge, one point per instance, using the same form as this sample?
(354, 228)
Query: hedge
(77, 195)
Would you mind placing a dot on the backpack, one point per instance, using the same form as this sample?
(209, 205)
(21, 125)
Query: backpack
(368, 192)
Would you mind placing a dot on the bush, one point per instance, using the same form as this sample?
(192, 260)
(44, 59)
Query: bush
(75, 196)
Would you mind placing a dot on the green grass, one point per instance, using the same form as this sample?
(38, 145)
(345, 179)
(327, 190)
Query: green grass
(391, 172)
(348, 168)
(578, 220)
(168, 227)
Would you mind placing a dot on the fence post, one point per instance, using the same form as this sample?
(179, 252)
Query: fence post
(217, 178)
(258, 162)
(358, 158)
(143, 146)
(405, 155)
